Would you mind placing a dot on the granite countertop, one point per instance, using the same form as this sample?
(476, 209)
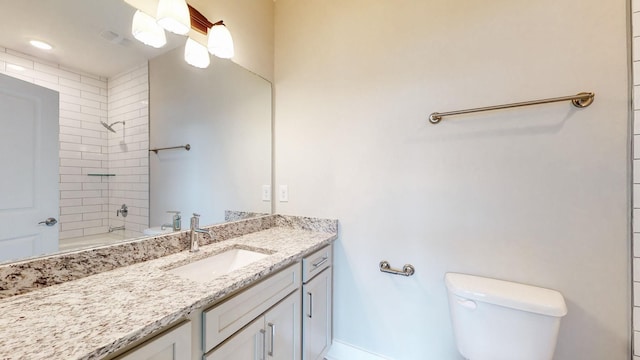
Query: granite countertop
(92, 317)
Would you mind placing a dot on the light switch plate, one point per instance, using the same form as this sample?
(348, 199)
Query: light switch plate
(283, 193)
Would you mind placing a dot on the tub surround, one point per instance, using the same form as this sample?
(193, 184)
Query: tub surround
(95, 316)
(29, 275)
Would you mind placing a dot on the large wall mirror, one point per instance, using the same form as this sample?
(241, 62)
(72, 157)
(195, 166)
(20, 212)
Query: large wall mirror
(117, 101)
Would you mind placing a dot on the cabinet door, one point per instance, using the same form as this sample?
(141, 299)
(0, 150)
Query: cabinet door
(247, 344)
(316, 323)
(174, 344)
(282, 326)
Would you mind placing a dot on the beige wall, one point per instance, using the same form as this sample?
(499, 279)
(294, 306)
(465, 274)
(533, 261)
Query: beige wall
(537, 195)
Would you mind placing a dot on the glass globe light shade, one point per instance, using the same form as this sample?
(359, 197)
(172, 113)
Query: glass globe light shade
(145, 29)
(196, 54)
(173, 15)
(220, 42)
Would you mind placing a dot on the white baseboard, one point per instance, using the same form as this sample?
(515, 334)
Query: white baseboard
(343, 351)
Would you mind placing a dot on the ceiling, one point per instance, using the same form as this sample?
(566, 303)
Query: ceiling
(89, 35)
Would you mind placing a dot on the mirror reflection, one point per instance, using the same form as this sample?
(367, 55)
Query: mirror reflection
(116, 100)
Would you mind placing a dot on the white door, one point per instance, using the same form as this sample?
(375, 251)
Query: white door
(28, 168)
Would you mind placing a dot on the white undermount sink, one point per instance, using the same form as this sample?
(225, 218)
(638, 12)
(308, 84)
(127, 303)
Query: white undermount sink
(218, 264)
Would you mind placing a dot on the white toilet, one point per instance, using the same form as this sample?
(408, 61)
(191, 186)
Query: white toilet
(500, 320)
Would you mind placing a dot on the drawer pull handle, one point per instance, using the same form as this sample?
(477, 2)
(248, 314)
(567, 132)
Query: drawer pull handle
(310, 312)
(322, 261)
(261, 346)
(273, 335)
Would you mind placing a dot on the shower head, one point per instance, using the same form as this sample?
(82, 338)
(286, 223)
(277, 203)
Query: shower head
(109, 126)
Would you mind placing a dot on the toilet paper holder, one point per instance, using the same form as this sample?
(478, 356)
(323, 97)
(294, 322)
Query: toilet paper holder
(407, 269)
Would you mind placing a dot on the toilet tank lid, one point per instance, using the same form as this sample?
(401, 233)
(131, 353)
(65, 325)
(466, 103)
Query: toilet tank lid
(507, 294)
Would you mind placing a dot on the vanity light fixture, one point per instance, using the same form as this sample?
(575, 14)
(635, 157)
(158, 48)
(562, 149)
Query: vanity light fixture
(196, 54)
(40, 45)
(145, 29)
(219, 41)
(173, 15)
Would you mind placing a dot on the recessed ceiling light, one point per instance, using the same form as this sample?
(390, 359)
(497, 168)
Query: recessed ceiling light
(40, 45)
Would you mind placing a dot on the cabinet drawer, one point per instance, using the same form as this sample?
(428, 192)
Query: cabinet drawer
(226, 318)
(316, 262)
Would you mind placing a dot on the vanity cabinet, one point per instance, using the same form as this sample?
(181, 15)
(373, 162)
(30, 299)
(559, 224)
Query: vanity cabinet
(272, 336)
(173, 344)
(317, 304)
(286, 316)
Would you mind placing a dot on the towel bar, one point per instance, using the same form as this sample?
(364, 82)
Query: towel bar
(580, 100)
(407, 270)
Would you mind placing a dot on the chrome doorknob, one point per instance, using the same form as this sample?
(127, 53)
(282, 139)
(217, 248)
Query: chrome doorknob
(49, 222)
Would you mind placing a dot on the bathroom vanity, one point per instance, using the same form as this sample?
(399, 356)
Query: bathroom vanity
(277, 306)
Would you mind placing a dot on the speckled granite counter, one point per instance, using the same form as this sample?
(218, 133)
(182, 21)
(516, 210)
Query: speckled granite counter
(92, 317)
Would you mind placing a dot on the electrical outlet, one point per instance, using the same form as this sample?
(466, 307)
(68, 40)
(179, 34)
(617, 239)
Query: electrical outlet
(283, 194)
(266, 192)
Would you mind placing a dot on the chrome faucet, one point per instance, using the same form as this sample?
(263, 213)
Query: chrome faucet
(195, 229)
(176, 224)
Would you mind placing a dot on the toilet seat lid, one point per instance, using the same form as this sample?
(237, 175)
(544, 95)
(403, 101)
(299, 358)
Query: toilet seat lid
(507, 294)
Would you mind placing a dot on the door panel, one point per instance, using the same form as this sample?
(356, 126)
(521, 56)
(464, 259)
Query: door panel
(29, 163)
(247, 344)
(282, 326)
(316, 328)
(174, 344)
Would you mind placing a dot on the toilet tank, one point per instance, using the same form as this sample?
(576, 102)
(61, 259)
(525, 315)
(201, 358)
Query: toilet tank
(501, 320)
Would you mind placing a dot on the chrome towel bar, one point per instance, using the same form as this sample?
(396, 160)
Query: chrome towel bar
(580, 100)
(407, 270)
(186, 147)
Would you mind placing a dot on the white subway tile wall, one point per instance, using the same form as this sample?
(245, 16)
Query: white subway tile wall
(129, 149)
(635, 25)
(85, 101)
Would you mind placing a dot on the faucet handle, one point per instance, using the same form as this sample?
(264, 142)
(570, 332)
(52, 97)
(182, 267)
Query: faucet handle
(176, 214)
